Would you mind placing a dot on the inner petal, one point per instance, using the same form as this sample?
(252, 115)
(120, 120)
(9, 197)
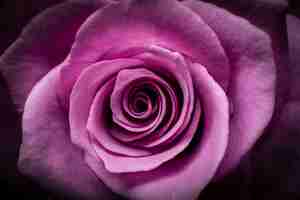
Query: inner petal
(178, 90)
(122, 164)
(98, 125)
(141, 102)
(136, 93)
(168, 94)
(178, 66)
(140, 105)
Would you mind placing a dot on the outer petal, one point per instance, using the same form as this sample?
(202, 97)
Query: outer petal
(277, 157)
(186, 175)
(252, 87)
(293, 24)
(43, 44)
(47, 153)
(150, 22)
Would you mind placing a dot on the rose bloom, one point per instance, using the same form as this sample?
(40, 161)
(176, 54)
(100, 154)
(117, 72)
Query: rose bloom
(144, 99)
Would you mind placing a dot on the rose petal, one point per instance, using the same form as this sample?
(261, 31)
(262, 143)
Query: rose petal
(252, 88)
(173, 109)
(120, 164)
(124, 78)
(81, 100)
(132, 23)
(47, 153)
(97, 124)
(43, 44)
(160, 58)
(84, 92)
(88, 83)
(195, 167)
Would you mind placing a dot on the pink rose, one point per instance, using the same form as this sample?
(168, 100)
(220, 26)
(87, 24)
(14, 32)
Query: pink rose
(144, 99)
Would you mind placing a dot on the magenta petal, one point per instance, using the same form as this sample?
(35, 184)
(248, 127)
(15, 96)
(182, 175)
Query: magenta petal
(84, 91)
(123, 80)
(132, 23)
(120, 164)
(42, 45)
(47, 153)
(163, 97)
(97, 124)
(167, 62)
(252, 89)
(184, 176)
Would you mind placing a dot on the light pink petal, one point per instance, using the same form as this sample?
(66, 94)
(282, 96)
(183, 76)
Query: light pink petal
(252, 87)
(47, 153)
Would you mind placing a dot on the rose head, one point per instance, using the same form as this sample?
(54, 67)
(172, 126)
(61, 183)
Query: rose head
(144, 99)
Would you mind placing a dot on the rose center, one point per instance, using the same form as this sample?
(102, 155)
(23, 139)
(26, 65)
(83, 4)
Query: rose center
(141, 100)
(140, 105)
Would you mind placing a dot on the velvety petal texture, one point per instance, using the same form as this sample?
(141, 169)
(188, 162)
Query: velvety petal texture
(41, 46)
(170, 180)
(142, 99)
(252, 86)
(47, 153)
(144, 23)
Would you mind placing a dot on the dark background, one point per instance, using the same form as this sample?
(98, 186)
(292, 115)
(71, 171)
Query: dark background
(272, 171)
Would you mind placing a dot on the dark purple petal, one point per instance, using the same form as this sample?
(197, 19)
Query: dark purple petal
(43, 44)
(252, 87)
(293, 26)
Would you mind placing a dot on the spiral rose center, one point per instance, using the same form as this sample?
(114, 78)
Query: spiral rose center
(142, 111)
(141, 105)
(140, 102)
